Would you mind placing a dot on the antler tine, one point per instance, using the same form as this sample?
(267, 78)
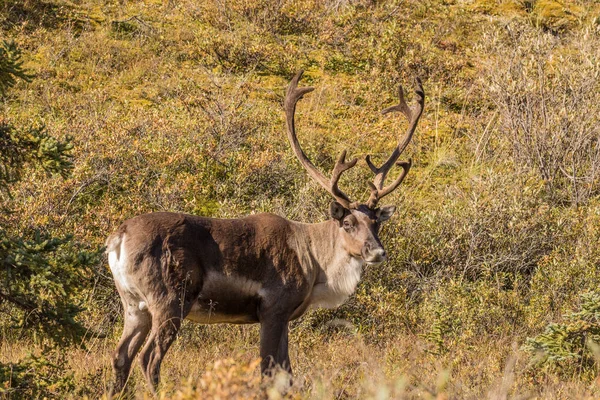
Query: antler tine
(331, 185)
(338, 169)
(412, 114)
(377, 194)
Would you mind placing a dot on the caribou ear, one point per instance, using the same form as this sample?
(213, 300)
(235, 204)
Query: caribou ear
(337, 210)
(385, 213)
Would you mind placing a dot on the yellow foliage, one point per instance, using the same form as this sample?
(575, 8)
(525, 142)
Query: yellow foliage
(557, 14)
(225, 379)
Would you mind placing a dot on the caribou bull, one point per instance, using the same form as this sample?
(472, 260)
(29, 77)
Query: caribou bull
(258, 269)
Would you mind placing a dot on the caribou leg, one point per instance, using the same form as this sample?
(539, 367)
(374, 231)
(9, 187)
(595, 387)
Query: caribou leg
(274, 344)
(136, 328)
(165, 326)
(283, 351)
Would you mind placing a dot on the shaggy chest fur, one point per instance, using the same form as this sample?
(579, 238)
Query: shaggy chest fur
(334, 286)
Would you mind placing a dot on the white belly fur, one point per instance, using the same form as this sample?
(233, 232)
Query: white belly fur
(217, 284)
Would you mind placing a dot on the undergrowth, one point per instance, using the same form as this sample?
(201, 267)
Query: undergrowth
(178, 106)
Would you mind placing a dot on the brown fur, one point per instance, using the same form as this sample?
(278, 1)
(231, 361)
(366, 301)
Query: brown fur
(262, 268)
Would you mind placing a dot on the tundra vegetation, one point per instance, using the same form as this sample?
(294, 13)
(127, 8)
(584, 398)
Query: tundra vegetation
(111, 109)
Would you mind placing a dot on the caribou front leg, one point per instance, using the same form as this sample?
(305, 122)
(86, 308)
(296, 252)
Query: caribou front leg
(274, 344)
(283, 350)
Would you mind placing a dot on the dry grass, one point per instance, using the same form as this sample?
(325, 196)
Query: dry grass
(338, 365)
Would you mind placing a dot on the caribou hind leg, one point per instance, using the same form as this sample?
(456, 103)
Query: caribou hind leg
(166, 322)
(136, 328)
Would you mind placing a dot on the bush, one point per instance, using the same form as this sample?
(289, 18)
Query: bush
(41, 277)
(35, 377)
(548, 98)
(11, 67)
(573, 345)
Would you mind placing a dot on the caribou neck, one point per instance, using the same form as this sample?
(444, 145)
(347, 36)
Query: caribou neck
(335, 272)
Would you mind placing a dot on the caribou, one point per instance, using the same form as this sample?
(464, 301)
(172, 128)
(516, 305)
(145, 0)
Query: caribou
(259, 269)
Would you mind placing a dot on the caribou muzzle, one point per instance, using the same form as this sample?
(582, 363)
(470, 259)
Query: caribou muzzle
(373, 254)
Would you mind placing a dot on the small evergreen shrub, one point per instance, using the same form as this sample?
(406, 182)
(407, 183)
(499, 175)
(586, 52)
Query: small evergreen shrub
(573, 343)
(35, 377)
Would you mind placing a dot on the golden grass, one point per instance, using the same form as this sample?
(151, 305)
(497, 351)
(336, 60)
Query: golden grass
(334, 365)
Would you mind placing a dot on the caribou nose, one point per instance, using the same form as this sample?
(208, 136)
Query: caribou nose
(374, 254)
(378, 254)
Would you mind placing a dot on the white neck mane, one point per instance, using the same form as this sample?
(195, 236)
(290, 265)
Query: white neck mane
(337, 272)
(337, 281)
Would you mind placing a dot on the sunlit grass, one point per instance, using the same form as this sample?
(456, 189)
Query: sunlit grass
(178, 106)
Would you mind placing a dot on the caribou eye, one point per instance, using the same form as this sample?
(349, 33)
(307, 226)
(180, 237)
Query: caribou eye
(347, 225)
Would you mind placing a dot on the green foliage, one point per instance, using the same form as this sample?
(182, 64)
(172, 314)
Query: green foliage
(33, 146)
(35, 377)
(41, 277)
(11, 67)
(437, 333)
(573, 344)
(42, 280)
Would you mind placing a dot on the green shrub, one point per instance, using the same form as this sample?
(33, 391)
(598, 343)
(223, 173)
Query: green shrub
(41, 277)
(11, 67)
(573, 344)
(30, 146)
(35, 377)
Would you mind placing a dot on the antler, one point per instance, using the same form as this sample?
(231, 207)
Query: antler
(413, 114)
(331, 185)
